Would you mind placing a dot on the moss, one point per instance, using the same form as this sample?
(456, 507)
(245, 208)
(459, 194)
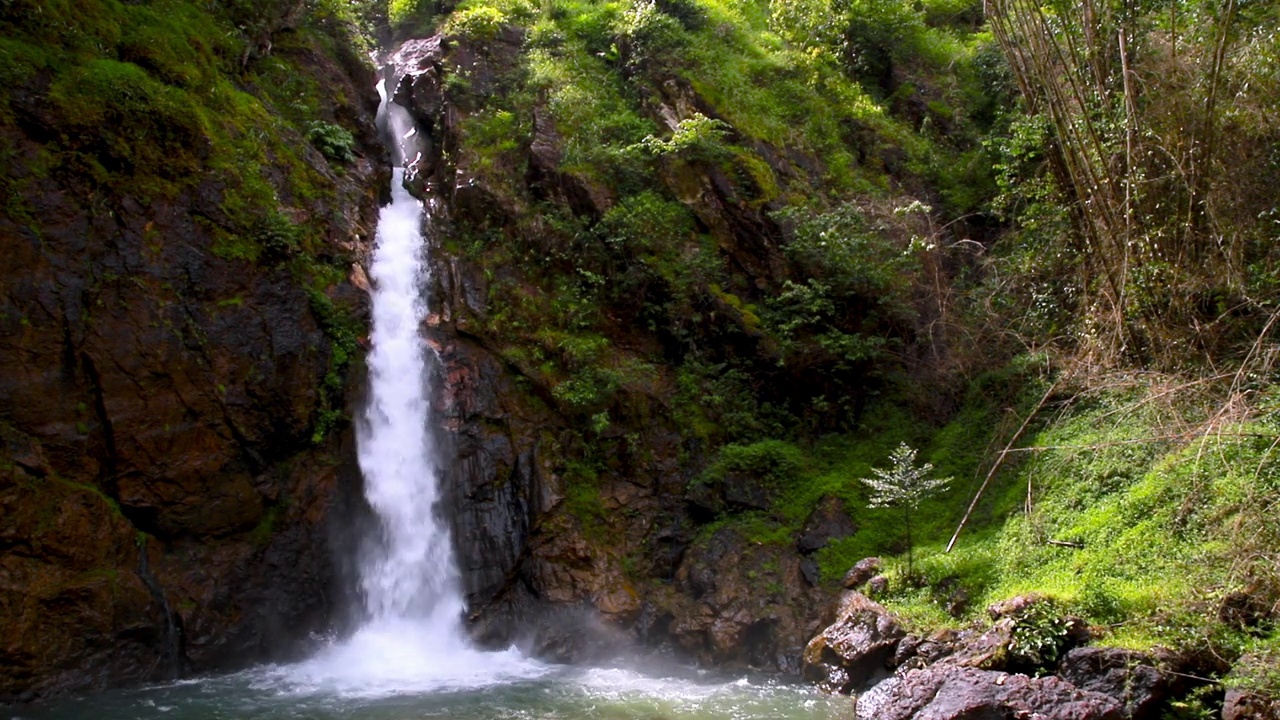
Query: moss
(267, 526)
(343, 331)
(129, 122)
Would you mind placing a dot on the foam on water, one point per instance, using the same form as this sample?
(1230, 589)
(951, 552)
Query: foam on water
(397, 657)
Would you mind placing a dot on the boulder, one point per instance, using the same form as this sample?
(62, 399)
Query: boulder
(860, 573)
(1127, 676)
(1244, 705)
(987, 650)
(916, 652)
(945, 692)
(878, 585)
(1014, 606)
(855, 651)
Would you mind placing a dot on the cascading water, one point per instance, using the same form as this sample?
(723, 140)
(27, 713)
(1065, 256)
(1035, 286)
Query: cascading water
(411, 573)
(412, 639)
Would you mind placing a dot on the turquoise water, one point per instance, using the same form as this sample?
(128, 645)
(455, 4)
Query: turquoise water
(545, 693)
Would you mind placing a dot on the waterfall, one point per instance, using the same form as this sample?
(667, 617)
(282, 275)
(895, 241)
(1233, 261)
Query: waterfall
(411, 574)
(412, 639)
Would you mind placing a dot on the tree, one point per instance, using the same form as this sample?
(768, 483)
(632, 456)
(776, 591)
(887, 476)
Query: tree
(903, 486)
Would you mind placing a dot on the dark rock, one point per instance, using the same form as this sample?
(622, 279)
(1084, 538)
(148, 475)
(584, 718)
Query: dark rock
(959, 693)
(583, 195)
(666, 550)
(1243, 610)
(855, 651)
(1127, 676)
(157, 389)
(1244, 705)
(877, 586)
(986, 650)
(742, 603)
(906, 649)
(809, 569)
(827, 522)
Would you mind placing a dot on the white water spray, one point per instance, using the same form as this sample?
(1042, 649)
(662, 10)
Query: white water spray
(413, 640)
(411, 574)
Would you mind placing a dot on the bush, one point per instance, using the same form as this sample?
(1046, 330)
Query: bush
(482, 22)
(697, 137)
(775, 463)
(648, 37)
(333, 141)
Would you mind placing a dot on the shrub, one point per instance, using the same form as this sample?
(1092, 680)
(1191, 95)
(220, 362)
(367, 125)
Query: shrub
(333, 141)
(775, 463)
(649, 37)
(482, 22)
(697, 137)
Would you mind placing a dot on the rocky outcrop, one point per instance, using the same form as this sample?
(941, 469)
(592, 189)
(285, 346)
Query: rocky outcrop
(857, 650)
(167, 484)
(576, 537)
(952, 693)
(740, 603)
(998, 671)
(1244, 705)
(828, 521)
(861, 572)
(1129, 677)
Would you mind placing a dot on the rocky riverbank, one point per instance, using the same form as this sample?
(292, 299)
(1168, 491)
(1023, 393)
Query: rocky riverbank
(1030, 660)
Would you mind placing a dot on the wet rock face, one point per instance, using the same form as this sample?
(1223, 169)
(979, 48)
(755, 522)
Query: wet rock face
(979, 672)
(828, 521)
(71, 603)
(166, 509)
(739, 603)
(1128, 677)
(856, 651)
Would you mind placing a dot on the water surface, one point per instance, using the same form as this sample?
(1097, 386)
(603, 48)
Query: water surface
(512, 688)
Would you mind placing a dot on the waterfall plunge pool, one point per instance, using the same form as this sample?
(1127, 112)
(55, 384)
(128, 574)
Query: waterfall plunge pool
(481, 686)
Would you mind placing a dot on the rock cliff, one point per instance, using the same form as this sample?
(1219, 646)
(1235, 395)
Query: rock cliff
(578, 523)
(175, 349)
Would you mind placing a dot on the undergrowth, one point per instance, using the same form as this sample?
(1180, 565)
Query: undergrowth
(1150, 508)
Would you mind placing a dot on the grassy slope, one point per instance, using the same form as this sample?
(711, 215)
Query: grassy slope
(1173, 508)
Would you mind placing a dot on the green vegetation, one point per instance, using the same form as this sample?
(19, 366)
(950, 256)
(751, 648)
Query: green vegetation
(1149, 516)
(1126, 245)
(903, 486)
(1040, 246)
